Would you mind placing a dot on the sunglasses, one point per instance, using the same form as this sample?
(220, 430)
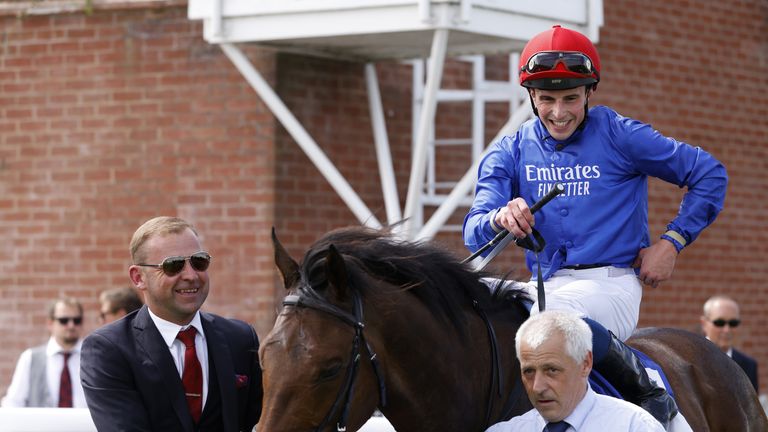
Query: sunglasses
(66, 320)
(721, 322)
(548, 60)
(172, 266)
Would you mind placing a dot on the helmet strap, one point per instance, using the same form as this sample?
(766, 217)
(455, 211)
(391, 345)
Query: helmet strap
(586, 105)
(533, 106)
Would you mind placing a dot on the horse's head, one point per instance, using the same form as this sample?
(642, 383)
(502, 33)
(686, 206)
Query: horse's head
(312, 369)
(358, 291)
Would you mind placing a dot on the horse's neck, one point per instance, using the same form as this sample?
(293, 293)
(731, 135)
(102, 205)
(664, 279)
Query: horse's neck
(439, 378)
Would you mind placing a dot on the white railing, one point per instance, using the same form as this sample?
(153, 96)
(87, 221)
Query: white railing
(79, 420)
(46, 420)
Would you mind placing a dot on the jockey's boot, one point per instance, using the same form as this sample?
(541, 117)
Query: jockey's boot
(622, 368)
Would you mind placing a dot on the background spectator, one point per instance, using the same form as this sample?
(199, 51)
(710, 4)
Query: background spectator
(49, 375)
(117, 303)
(719, 322)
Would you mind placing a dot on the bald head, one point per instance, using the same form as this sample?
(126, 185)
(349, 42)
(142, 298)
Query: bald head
(720, 318)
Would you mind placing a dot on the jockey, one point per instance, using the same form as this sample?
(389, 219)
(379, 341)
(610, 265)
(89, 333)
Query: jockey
(597, 230)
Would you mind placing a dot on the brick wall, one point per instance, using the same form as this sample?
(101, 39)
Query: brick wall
(697, 71)
(109, 119)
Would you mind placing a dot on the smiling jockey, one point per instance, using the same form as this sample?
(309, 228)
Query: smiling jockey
(598, 229)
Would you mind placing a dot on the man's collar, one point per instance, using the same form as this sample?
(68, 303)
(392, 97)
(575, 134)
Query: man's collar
(169, 330)
(579, 414)
(53, 347)
(729, 353)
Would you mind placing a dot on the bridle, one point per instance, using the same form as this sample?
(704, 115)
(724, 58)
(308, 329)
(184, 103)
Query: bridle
(344, 397)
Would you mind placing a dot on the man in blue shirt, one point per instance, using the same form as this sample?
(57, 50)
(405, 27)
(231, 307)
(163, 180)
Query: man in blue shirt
(597, 231)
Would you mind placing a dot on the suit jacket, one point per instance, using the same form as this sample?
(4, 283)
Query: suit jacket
(132, 384)
(748, 364)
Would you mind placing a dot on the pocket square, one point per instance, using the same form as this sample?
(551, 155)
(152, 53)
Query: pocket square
(241, 381)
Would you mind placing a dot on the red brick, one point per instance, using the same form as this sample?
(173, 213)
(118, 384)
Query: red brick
(107, 128)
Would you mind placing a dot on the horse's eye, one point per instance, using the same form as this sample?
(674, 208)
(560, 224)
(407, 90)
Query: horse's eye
(329, 372)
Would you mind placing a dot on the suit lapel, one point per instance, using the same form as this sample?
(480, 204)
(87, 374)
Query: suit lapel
(156, 351)
(218, 351)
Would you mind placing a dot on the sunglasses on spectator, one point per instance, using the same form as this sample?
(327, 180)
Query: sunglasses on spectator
(721, 322)
(172, 266)
(548, 60)
(66, 320)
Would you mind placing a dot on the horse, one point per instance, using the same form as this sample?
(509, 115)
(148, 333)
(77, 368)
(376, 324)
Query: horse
(370, 321)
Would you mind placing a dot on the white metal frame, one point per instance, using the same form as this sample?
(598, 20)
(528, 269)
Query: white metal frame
(481, 92)
(341, 27)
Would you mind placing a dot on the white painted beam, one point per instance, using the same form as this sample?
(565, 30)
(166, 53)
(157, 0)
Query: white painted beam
(302, 137)
(426, 122)
(383, 153)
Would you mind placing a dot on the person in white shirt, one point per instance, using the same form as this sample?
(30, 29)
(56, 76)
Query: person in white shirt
(49, 375)
(554, 349)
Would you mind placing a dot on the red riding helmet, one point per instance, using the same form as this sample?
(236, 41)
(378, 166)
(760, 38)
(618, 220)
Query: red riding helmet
(559, 59)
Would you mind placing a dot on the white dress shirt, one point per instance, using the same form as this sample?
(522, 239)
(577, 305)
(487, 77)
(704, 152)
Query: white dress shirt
(595, 413)
(18, 391)
(169, 330)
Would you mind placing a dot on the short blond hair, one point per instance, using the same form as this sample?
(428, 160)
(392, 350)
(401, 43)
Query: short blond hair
(159, 226)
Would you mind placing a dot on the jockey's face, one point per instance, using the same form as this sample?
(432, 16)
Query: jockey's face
(554, 381)
(721, 310)
(561, 111)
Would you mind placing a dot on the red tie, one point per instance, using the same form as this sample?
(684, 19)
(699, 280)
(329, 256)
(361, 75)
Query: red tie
(192, 378)
(65, 385)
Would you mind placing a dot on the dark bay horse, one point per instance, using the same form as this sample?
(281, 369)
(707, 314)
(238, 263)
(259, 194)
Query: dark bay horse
(370, 321)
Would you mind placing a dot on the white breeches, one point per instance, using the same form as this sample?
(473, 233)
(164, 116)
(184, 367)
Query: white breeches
(608, 295)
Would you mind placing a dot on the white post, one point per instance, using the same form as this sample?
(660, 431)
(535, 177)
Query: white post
(464, 186)
(426, 122)
(216, 20)
(383, 153)
(300, 135)
(425, 13)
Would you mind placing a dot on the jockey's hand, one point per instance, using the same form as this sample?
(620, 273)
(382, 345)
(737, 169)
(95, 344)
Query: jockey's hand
(515, 217)
(656, 262)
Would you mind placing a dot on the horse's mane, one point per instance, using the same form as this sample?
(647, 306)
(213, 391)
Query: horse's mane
(434, 276)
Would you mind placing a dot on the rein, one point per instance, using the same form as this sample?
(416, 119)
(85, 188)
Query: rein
(344, 397)
(501, 240)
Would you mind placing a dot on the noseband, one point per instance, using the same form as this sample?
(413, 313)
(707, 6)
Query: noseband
(356, 321)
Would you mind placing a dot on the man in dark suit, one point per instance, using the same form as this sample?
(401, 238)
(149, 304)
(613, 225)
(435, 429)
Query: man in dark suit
(168, 366)
(719, 322)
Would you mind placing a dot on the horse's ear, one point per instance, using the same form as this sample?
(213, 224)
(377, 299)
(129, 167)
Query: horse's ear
(287, 266)
(336, 273)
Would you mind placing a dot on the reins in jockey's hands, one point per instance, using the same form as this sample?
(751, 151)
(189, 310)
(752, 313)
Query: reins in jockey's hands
(515, 217)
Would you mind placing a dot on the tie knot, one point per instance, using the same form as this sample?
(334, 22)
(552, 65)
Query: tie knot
(66, 355)
(560, 426)
(187, 337)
